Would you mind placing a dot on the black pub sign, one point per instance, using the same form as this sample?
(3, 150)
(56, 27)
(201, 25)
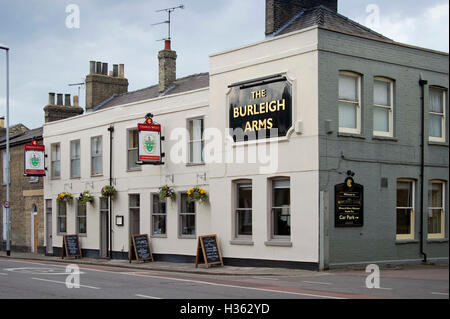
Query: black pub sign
(349, 204)
(260, 109)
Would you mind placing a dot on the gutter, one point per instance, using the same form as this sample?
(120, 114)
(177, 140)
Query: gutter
(422, 84)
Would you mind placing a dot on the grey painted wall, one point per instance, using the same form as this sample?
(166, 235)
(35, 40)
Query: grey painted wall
(373, 158)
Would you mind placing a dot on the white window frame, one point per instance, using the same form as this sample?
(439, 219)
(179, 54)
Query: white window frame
(286, 238)
(52, 161)
(136, 167)
(94, 156)
(443, 115)
(59, 216)
(153, 214)
(181, 214)
(357, 104)
(237, 209)
(72, 158)
(390, 108)
(442, 208)
(191, 141)
(411, 235)
(78, 218)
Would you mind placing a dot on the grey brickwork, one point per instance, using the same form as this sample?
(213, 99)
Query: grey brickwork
(167, 69)
(374, 158)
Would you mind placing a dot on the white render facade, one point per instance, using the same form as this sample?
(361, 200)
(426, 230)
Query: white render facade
(297, 162)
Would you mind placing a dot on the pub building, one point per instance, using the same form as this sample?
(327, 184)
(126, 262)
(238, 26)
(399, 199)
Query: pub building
(324, 145)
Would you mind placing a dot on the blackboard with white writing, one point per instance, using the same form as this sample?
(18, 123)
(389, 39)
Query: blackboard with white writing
(71, 246)
(208, 251)
(140, 248)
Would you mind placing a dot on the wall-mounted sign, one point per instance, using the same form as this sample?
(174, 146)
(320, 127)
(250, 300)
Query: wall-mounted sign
(349, 204)
(149, 142)
(256, 108)
(34, 159)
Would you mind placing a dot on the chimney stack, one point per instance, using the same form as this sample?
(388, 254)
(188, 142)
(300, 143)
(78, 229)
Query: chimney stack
(55, 112)
(167, 67)
(2, 122)
(101, 85)
(280, 12)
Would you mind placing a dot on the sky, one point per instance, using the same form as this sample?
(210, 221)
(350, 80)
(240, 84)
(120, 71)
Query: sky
(46, 55)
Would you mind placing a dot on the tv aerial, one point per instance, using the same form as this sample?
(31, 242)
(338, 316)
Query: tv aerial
(168, 21)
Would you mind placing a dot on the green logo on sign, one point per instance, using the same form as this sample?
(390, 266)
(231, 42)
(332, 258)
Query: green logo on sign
(149, 144)
(35, 161)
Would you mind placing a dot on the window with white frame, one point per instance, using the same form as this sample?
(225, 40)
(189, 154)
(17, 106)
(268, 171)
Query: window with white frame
(436, 211)
(243, 213)
(62, 217)
(56, 160)
(349, 103)
(281, 209)
(195, 141)
(383, 107)
(186, 217)
(132, 150)
(96, 156)
(159, 216)
(437, 114)
(75, 156)
(405, 209)
(81, 218)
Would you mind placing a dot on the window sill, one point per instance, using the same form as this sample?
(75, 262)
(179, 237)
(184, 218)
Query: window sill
(158, 236)
(437, 240)
(352, 135)
(278, 243)
(406, 241)
(187, 237)
(76, 178)
(242, 242)
(82, 235)
(100, 175)
(131, 170)
(384, 138)
(195, 164)
(443, 143)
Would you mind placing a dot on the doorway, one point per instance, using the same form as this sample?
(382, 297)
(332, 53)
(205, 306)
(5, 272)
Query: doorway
(134, 217)
(49, 229)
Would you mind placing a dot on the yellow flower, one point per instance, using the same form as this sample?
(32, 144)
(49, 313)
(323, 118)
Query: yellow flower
(202, 191)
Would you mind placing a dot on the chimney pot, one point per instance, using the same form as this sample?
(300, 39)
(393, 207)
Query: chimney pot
(121, 71)
(67, 100)
(75, 100)
(51, 98)
(115, 70)
(92, 67)
(167, 45)
(98, 68)
(59, 100)
(105, 69)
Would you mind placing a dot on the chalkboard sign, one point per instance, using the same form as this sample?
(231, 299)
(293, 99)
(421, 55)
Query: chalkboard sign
(349, 204)
(71, 246)
(208, 251)
(140, 248)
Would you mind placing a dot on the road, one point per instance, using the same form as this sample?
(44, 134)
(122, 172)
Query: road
(21, 279)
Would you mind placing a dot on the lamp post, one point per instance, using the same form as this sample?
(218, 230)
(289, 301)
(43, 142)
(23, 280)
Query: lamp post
(7, 177)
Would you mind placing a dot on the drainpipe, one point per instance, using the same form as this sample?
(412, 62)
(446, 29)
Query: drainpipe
(111, 131)
(422, 84)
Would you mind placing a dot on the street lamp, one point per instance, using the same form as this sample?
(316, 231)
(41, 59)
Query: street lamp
(7, 205)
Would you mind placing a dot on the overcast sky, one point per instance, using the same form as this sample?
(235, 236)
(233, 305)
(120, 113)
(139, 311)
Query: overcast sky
(46, 56)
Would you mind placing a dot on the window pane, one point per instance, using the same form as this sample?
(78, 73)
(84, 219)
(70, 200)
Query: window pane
(245, 196)
(96, 146)
(134, 200)
(196, 152)
(75, 149)
(244, 219)
(159, 225)
(187, 224)
(281, 222)
(436, 101)
(56, 152)
(196, 129)
(281, 197)
(347, 115)
(104, 203)
(97, 165)
(381, 119)
(133, 139)
(435, 195)
(348, 88)
(132, 158)
(404, 194)
(435, 125)
(56, 169)
(75, 167)
(434, 221)
(158, 206)
(382, 93)
(403, 221)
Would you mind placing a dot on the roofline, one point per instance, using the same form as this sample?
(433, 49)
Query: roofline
(385, 41)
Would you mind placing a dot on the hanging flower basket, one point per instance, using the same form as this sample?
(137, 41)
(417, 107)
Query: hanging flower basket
(85, 198)
(166, 192)
(197, 194)
(109, 191)
(65, 198)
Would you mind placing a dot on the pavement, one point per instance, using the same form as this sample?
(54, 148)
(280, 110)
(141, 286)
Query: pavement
(190, 267)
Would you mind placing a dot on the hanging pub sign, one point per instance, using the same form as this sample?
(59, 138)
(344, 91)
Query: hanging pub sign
(260, 109)
(150, 142)
(34, 159)
(349, 204)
